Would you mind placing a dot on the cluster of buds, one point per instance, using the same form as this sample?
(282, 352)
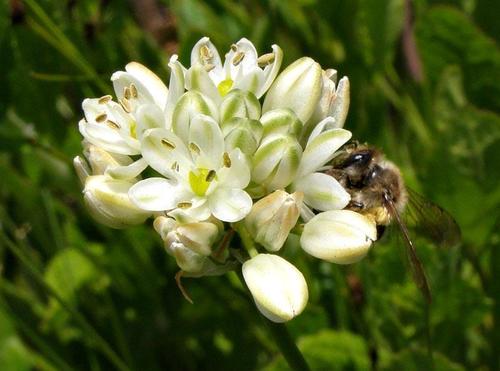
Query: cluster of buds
(233, 146)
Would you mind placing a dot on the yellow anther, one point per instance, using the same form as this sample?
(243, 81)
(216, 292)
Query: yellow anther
(209, 67)
(126, 105)
(238, 57)
(205, 53)
(210, 176)
(234, 48)
(113, 125)
(168, 143)
(194, 148)
(226, 159)
(101, 117)
(127, 94)
(184, 205)
(133, 90)
(104, 99)
(265, 59)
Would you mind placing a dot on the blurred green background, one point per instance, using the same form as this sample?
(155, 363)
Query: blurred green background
(425, 87)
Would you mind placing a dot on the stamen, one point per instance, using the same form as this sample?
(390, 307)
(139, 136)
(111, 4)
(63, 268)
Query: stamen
(104, 99)
(205, 53)
(184, 205)
(238, 57)
(175, 166)
(194, 148)
(226, 159)
(209, 67)
(168, 143)
(133, 90)
(113, 125)
(210, 176)
(127, 94)
(126, 105)
(234, 48)
(265, 59)
(101, 117)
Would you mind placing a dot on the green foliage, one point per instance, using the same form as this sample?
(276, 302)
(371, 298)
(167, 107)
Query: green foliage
(77, 295)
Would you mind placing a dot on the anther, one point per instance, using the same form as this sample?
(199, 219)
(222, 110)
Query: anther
(194, 148)
(184, 205)
(210, 176)
(127, 93)
(133, 90)
(167, 143)
(226, 159)
(101, 117)
(126, 105)
(209, 67)
(113, 125)
(238, 57)
(265, 59)
(205, 53)
(175, 166)
(234, 48)
(104, 99)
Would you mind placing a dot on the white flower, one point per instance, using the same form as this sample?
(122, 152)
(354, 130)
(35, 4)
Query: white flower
(297, 88)
(201, 177)
(242, 69)
(278, 288)
(273, 217)
(339, 236)
(321, 191)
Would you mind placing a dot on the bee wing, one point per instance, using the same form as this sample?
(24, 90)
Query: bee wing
(431, 221)
(417, 268)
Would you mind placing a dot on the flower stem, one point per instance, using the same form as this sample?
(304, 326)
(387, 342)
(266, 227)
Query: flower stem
(287, 346)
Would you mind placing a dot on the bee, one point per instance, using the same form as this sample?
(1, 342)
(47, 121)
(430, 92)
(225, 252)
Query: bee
(378, 191)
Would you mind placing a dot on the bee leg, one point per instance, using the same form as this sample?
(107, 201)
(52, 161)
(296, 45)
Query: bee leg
(355, 205)
(380, 231)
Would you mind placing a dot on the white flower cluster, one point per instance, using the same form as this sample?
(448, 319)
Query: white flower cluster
(220, 160)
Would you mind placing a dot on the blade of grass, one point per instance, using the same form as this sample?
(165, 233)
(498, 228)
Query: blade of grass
(104, 346)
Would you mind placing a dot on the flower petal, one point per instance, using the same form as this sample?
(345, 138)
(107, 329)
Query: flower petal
(176, 87)
(322, 192)
(278, 287)
(339, 236)
(271, 71)
(229, 205)
(322, 149)
(237, 175)
(154, 194)
(151, 81)
(149, 116)
(206, 134)
(110, 139)
(198, 79)
(163, 151)
(205, 52)
(129, 171)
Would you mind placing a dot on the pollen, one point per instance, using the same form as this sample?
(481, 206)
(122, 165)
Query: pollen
(101, 117)
(265, 59)
(126, 105)
(198, 180)
(167, 143)
(194, 148)
(184, 205)
(226, 159)
(238, 57)
(133, 91)
(104, 99)
(113, 125)
(127, 94)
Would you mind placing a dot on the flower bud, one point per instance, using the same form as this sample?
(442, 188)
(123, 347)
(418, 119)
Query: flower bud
(273, 217)
(191, 104)
(238, 103)
(275, 163)
(197, 236)
(281, 121)
(108, 202)
(298, 88)
(278, 288)
(242, 133)
(339, 236)
(189, 241)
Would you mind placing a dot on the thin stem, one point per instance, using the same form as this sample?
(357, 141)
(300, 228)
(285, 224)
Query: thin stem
(287, 346)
